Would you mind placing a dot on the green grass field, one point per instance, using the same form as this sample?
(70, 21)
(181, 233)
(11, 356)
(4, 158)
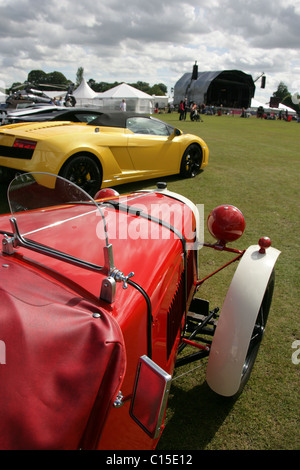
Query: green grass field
(254, 165)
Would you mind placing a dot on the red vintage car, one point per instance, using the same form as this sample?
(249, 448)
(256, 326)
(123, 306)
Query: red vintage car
(99, 298)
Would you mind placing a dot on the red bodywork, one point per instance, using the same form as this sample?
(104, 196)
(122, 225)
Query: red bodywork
(68, 352)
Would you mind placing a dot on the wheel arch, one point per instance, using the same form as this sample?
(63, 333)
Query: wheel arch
(237, 320)
(197, 144)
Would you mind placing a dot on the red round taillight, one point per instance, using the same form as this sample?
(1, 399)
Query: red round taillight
(226, 223)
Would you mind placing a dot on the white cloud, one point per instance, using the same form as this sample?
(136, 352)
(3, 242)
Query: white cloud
(153, 41)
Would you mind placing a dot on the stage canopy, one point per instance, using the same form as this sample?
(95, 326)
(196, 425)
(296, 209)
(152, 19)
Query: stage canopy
(227, 88)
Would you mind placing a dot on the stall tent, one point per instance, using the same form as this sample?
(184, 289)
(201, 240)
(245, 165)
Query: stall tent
(110, 100)
(136, 100)
(281, 107)
(84, 95)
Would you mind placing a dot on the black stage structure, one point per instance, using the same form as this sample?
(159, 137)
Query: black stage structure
(227, 88)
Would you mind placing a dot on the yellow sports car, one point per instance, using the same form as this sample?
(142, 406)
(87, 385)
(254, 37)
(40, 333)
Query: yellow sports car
(114, 148)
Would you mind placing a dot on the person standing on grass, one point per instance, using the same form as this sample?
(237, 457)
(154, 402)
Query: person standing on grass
(181, 111)
(185, 106)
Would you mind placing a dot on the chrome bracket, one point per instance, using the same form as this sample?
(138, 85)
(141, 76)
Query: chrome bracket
(8, 244)
(108, 290)
(120, 277)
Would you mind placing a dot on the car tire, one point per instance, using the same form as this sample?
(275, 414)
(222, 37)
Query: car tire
(191, 161)
(83, 171)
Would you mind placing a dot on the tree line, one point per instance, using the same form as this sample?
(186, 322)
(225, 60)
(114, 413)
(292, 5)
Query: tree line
(57, 80)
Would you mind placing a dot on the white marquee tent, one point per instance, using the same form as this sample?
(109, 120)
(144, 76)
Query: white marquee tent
(84, 95)
(281, 107)
(136, 100)
(110, 100)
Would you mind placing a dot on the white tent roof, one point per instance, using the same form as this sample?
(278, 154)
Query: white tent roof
(124, 91)
(109, 100)
(255, 104)
(286, 108)
(84, 91)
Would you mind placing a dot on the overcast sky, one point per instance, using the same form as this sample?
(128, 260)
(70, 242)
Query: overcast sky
(155, 41)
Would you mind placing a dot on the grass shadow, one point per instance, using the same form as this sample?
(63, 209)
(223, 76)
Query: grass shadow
(197, 415)
(145, 184)
(151, 183)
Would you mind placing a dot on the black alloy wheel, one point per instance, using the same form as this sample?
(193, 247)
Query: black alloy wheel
(191, 161)
(84, 172)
